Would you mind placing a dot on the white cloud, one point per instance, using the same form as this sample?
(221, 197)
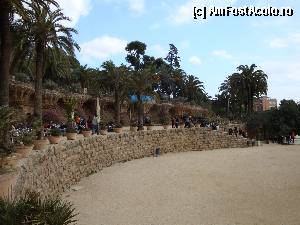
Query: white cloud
(137, 6)
(284, 79)
(183, 14)
(102, 48)
(75, 9)
(195, 60)
(291, 39)
(222, 54)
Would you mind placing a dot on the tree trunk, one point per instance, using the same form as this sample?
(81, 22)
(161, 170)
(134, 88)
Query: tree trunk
(5, 52)
(251, 105)
(117, 107)
(140, 112)
(249, 101)
(38, 81)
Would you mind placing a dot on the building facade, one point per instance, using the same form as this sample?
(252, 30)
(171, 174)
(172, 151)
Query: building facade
(264, 103)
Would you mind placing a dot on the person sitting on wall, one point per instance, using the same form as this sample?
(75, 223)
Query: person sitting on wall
(176, 122)
(235, 131)
(147, 120)
(77, 120)
(89, 123)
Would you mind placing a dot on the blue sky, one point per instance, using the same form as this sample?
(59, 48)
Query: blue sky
(210, 49)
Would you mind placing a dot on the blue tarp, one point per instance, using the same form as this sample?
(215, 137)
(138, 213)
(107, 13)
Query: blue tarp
(145, 98)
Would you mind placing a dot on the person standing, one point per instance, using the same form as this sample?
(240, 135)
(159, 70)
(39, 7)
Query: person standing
(95, 125)
(173, 122)
(177, 122)
(293, 137)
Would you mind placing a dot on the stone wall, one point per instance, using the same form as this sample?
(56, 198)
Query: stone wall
(56, 168)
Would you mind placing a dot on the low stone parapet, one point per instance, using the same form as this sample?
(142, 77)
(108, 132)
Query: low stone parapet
(56, 168)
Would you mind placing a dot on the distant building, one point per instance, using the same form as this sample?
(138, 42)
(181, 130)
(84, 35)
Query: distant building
(264, 103)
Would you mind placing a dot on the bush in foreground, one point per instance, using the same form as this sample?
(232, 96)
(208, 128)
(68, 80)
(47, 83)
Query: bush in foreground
(32, 209)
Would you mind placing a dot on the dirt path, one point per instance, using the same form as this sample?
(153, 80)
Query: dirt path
(233, 186)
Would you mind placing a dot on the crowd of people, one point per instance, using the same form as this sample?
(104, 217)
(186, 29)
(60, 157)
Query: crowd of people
(79, 124)
(288, 139)
(190, 122)
(235, 131)
(93, 123)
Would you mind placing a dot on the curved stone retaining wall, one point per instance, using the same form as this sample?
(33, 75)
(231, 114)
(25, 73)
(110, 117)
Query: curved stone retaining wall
(56, 168)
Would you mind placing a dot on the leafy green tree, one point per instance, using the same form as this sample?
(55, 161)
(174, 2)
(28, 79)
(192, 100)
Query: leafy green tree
(117, 78)
(136, 53)
(165, 82)
(220, 105)
(289, 114)
(47, 32)
(243, 87)
(142, 76)
(276, 122)
(179, 77)
(172, 58)
(8, 8)
(194, 89)
(230, 89)
(254, 82)
(168, 70)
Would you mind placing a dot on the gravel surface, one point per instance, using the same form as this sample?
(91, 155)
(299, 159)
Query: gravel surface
(258, 185)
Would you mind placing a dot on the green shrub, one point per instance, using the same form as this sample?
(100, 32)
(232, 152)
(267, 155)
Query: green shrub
(38, 128)
(50, 84)
(71, 130)
(32, 209)
(22, 77)
(28, 138)
(70, 105)
(55, 132)
(8, 117)
(164, 120)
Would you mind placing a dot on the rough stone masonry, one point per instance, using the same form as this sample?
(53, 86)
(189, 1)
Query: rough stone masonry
(55, 169)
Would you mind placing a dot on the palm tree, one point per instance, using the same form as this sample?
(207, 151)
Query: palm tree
(142, 76)
(8, 8)
(232, 89)
(193, 90)
(254, 82)
(116, 78)
(47, 32)
(241, 88)
(141, 84)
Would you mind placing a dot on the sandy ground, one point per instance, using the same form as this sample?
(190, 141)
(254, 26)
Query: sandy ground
(258, 185)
